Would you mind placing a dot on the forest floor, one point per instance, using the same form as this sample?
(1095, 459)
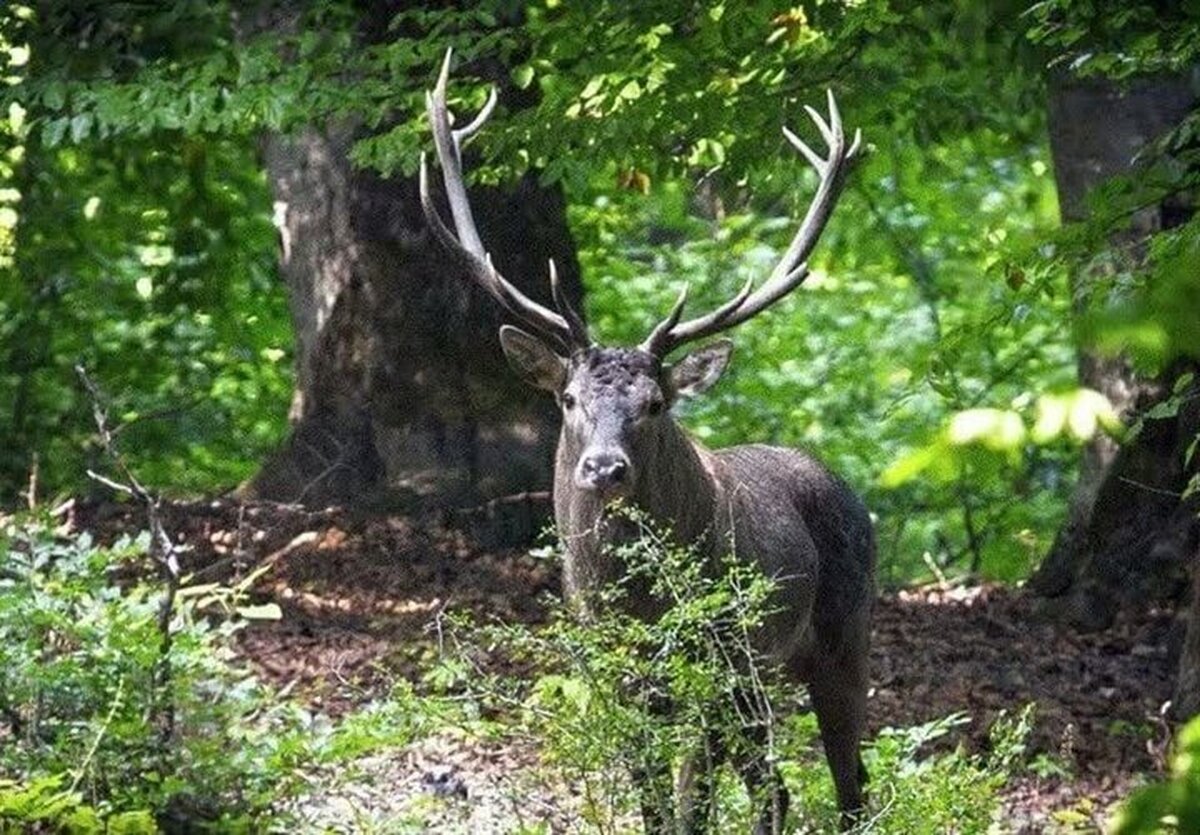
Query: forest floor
(360, 595)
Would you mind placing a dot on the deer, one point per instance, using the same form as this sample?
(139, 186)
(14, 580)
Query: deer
(779, 509)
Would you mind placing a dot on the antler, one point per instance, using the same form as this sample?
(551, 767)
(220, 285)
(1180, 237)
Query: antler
(792, 268)
(465, 245)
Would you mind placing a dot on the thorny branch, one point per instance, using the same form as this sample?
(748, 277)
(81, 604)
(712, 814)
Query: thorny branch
(162, 551)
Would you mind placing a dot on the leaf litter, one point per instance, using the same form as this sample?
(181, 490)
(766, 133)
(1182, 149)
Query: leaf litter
(361, 597)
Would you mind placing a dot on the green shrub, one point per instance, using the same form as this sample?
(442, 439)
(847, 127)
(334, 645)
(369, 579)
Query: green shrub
(94, 731)
(1174, 804)
(613, 693)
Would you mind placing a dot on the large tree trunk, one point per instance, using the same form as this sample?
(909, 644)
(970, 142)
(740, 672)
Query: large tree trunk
(1128, 537)
(401, 387)
(400, 382)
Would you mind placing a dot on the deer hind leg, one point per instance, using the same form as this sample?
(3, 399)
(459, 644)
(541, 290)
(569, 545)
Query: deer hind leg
(839, 698)
(697, 783)
(652, 777)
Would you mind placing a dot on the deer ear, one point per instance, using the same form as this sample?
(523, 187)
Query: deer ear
(697, 372)
(534, 360)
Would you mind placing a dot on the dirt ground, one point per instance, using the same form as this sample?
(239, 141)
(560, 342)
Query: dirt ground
(360, 594)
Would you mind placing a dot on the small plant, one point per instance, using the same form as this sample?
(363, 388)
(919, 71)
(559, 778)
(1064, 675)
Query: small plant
(81, 696)
(1174, 804)
(918, 792)
(615, 693)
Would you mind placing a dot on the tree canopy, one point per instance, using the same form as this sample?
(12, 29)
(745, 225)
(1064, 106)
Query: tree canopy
(998, 348)
(933, 338)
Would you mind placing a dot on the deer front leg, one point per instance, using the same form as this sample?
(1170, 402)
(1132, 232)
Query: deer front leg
(650, 768)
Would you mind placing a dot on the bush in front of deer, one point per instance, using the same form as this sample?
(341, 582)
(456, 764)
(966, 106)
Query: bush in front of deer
(612, 694)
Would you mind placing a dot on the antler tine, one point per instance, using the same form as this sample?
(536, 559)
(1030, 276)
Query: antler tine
(792, 268)
(464, 243)
(463, 134)
(653, 343)
(814, 159)
(855, 146)
(826, 131)
(574, 321)
(835, 116)
(663, 338)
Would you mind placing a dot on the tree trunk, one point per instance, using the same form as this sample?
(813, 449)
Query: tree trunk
(400, 382)
(402, 391)
(1127, 537)
(1185, 702)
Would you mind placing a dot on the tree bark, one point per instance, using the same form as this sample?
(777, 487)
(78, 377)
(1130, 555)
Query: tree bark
(1127, 537)
(400, 382)
(402, 391)
(1185, 702)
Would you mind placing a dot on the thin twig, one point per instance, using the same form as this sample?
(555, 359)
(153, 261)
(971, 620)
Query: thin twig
(31, 491)
(100, 734)
(1150, 488)
(162, 552)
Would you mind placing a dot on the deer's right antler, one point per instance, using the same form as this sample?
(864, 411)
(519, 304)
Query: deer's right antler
(565, 327)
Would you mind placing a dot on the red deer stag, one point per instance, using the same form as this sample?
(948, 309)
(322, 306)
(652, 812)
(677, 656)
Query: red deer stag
(782, 510)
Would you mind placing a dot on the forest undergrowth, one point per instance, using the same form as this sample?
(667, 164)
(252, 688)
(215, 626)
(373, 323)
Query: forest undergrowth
(343, 695)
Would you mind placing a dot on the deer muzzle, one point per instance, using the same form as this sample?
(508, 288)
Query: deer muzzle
(603, 471)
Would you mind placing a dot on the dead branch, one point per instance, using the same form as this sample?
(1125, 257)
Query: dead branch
(162, 552)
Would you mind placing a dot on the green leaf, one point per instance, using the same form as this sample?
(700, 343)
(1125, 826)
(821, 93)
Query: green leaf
(910, 465)
(81, 123)
(593, 86)
(996, 429)
(53, 132)
(631, 90)
(54, 96)
(522, 76)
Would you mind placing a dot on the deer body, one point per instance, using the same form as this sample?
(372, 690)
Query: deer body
(779, 509)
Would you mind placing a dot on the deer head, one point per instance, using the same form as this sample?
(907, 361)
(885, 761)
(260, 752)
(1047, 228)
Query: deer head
(616, 400)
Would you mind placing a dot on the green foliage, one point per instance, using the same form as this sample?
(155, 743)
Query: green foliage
(94, 734)
(157, 273)
(1172, 806)
(45, 803)
(927, 359)
(599, 706)
(144, 248)
(614, 693)
(95, 740)
(1145, 284)
(953, 790)
(1118, 39)
(150, 261)
(1148, 317)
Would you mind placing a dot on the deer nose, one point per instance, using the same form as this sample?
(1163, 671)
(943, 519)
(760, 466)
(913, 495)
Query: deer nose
(604, 470)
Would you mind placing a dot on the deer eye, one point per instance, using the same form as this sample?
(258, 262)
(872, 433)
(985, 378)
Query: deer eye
(655, 407)
(568, 400)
